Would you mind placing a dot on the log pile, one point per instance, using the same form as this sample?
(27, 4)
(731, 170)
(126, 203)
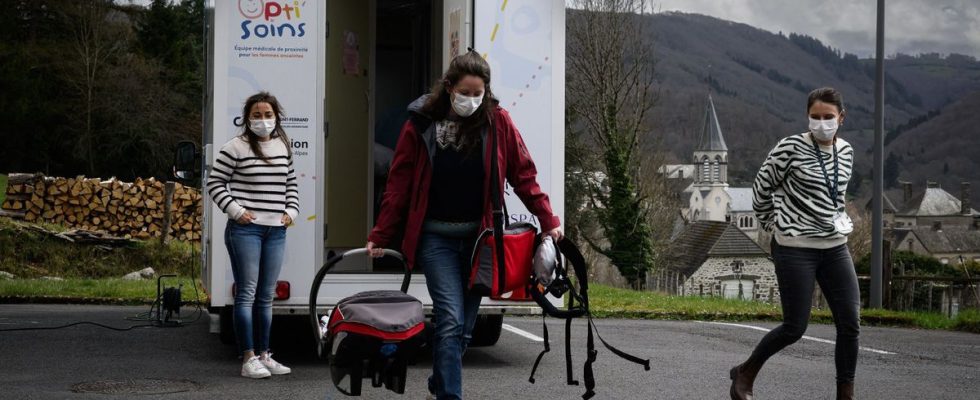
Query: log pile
(129, 210)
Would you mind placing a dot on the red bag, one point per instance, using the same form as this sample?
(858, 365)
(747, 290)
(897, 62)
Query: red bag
(508, 279)
(502, 257)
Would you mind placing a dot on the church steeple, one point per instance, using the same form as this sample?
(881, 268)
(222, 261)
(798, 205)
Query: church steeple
(711, 137)
(711, 155)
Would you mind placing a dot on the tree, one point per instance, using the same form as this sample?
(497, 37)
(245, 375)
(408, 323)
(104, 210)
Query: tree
(84, 95)
(95, 41)
(610, 91)
(172, 34)
(859, 241)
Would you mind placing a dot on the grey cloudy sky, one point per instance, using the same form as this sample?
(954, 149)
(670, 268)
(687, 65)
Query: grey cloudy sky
(911, 27)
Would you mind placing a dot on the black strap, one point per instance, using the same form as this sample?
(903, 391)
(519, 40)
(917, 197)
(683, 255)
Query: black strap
(568, 348)
(355, 374)
(575, 258)
(587, 373)
(618, 352)
(496, 200)
(831, 188)
(547, 346)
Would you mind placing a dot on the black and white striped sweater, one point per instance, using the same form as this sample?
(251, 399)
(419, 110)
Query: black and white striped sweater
(241, 181)
(791, 197)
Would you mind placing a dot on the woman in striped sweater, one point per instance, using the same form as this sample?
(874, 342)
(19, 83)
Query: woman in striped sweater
(799, 197)
(253, 182)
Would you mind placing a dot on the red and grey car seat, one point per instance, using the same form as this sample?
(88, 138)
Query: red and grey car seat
(373, 334)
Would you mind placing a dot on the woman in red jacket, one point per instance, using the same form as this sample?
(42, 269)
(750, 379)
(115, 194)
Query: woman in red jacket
(438, 197)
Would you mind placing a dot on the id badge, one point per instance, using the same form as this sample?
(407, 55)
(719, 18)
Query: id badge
(842, 222)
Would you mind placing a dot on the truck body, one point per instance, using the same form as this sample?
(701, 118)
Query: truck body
(344, 71)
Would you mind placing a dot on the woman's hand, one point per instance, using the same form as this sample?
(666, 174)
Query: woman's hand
(246, 218)
(555, 234)
(286, 220)
(374, 251)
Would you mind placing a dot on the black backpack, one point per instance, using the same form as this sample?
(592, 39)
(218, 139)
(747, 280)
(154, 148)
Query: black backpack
(578, 306)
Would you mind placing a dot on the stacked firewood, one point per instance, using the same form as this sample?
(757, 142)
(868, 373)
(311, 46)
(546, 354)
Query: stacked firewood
(130, 210)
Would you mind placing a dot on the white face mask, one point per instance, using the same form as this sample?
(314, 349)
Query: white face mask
(466, 105)
(823, 129)
(262, 127)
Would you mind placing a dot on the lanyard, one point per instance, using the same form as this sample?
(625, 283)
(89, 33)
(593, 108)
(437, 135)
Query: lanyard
(832, 189)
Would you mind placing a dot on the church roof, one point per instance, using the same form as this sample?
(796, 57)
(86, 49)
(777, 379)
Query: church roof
(933, 201)
(952, 239)
(711, 136)
(704, 239)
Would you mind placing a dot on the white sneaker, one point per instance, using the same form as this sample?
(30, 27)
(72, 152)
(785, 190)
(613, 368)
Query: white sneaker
(253, 368)
(274, 366)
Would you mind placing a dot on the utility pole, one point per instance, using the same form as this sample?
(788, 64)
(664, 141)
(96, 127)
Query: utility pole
(879, 171)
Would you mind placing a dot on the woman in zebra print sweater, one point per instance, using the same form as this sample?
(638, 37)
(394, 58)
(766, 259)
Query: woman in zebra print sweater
(799, 198)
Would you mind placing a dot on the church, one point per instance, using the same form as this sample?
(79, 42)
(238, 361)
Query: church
(703, 185)
(714, 249)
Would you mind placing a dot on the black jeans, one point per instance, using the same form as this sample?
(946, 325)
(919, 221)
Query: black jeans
(796, 271)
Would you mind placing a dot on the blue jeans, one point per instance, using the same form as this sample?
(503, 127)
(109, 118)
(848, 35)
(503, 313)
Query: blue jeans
(797, 270)
(445, 262)
(256, 254)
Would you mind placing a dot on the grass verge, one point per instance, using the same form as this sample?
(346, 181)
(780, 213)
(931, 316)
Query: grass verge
(28, 254)
(92, 291)
(608, 302)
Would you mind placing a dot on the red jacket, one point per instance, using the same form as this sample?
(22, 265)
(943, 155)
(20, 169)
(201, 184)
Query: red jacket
(406, 196)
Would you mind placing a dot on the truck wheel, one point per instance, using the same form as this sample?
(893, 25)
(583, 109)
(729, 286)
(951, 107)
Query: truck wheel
(487, 330)
(227, 333)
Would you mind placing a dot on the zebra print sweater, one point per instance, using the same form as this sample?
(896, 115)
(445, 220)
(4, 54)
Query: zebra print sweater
(242, 181)
(791, 197)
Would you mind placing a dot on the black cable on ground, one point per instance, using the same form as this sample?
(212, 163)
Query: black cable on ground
(43, 328)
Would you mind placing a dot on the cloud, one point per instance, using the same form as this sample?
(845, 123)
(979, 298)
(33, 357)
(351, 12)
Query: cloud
(911, 26)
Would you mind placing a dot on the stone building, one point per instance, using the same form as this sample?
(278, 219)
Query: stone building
(932, 222)
(715, 258)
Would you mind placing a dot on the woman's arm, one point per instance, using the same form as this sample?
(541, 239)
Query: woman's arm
(292, 193)
(221, 172)
(768, 179)
(397, 196)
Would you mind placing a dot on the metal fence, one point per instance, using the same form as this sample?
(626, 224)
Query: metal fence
(926, 293)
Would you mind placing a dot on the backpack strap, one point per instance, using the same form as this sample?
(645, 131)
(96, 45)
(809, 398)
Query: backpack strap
(575, 258)
(587, 372)
(624, 355)
(547, 346)
(567, 248)
(568, 347)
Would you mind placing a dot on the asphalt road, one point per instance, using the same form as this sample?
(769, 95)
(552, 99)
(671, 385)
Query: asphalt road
(690, 361)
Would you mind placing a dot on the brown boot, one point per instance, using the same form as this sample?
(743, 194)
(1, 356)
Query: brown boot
(743, 375)
(845, 391)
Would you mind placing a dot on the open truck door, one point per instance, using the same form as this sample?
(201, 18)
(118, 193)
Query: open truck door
(345, 70)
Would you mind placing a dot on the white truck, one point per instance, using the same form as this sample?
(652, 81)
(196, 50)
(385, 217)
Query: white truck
(344, 71)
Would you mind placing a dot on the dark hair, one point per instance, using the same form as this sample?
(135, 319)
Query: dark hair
(278, 132)
(827, 95)
(438, 104)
